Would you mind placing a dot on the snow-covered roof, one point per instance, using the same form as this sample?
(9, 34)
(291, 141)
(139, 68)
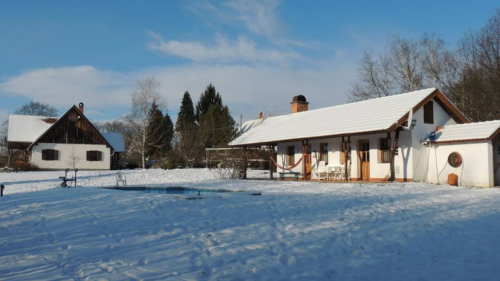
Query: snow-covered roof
(27, 128)
(115, 140)
(352, 118)
(469, 131)
(250, 124)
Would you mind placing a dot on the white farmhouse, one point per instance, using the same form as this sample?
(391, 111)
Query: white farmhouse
(416, 136)
(70, 141)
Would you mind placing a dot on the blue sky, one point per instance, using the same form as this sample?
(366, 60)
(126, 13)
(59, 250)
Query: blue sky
(257, 53)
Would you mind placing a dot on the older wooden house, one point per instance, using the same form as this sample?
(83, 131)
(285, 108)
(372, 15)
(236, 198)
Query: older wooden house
(70, 141)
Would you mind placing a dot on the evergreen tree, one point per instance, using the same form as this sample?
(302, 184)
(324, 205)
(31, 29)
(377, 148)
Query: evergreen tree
(155, 131)
(166, 142)
(186, 120)
(216, 124)
(207, 99)
(188, 142)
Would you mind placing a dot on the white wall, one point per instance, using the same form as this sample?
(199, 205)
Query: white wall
(378, 170)
(441, 118)
(65, 153)
(476, 169)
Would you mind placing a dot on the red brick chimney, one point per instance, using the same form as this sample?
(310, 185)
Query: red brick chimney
(299, 104)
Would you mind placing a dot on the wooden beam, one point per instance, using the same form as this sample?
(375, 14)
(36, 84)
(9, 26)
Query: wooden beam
(347, 155)
(304, 154)
(271, 155)
(392, 152)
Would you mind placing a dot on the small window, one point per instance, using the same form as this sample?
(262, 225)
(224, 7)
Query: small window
(343, 146)
(290, 155)
(50, 155)
(323, 152)
(429, 113)
(94, 155)
(455, 160)
(385, 147)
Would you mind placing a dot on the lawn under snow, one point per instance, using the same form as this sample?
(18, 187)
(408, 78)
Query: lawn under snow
(295, 230)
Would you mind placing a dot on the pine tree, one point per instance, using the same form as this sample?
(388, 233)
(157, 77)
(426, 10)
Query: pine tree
(166, 141)
(216, 124)
(186, 120)
(155, 131)
(207, 99)
(188, 142)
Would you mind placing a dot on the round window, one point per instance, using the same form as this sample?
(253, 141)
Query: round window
(455, 160)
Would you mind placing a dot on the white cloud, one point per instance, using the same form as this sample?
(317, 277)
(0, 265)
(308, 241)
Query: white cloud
(222, 51)
(246, 89)
(259, 16)
(65, 86)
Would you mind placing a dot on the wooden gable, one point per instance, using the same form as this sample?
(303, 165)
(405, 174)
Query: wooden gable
(443, 101)
(72, 128)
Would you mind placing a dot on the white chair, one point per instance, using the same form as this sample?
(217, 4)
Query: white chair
(322, 173)
(120, 179)
(337, 173)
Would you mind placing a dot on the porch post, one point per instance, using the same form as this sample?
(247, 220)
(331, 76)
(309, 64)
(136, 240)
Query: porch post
(304, 153)
(271, 156)
(347, 152)
(392, 152)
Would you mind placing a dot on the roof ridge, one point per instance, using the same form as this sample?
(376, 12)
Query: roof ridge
(473, 123)
(38, 116)
(352, 103)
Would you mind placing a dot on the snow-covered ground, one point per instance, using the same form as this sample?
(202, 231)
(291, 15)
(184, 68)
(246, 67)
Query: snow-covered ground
(295, 230)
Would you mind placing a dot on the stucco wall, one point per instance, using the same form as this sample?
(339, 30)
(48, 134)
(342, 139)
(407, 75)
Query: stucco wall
(441, 118)
(65, 155)
(476, 169)
(378, 170)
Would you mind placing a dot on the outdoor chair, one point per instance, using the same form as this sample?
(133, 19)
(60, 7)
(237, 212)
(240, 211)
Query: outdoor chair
(338, 173)
(322, 173)
(121, 179)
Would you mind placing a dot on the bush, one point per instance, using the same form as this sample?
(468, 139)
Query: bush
(24, 166)
(174, 161)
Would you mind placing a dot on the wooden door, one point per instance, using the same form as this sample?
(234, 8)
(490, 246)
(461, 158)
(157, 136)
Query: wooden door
(307, 162)
(364, 159)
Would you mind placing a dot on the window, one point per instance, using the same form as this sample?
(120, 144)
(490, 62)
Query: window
(323, 152)
(50, 155)
(384, 152)
(290, 155)
(94, 155)
(429, 113)
(342, 153)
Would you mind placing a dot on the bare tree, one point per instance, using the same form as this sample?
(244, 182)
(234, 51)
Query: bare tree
(4, 150)
(73, 158)
(374, 79)
(144, 95)
(404, 60)
(477, 92)
(37, 109)
(399, 68)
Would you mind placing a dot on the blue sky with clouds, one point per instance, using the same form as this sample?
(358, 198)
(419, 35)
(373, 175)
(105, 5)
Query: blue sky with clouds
(257, 53)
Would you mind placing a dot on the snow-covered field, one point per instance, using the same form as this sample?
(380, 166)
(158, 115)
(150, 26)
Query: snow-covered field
(295, 230)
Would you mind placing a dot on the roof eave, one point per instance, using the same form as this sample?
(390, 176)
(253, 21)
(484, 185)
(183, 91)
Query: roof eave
(274, 142)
